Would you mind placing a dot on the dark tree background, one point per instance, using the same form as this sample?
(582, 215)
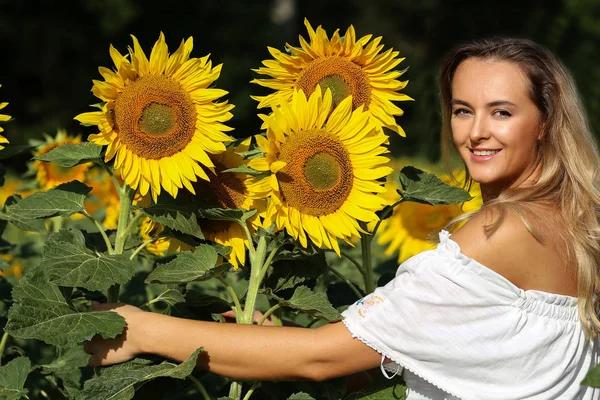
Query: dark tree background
(51, 49)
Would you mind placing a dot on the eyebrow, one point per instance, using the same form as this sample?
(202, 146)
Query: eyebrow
(490, 104)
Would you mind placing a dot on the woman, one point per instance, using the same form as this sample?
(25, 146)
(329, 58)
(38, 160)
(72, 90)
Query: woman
(505, 309)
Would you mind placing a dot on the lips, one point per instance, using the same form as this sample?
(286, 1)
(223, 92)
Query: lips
(481, 155)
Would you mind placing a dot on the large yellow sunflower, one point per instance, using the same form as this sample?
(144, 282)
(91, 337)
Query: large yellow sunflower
(49, 174)
(160, 119)
(325, 166)
(408, 231)
(230, 190)
(3, 118)
(347, 66)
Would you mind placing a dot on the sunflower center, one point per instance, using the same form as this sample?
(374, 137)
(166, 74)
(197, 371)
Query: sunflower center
(318, 176)
(339, 88)
(154, 117)
(157, 119)
(339, 74)
(322, 171)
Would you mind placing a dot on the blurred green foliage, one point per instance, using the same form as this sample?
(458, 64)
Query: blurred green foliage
(52, 49)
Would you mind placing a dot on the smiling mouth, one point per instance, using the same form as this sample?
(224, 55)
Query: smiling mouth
(484, 152)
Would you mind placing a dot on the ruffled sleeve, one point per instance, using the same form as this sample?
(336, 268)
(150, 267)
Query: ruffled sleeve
(469, 331)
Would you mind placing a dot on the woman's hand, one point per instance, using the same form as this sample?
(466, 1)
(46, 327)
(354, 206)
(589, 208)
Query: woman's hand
(125, 346)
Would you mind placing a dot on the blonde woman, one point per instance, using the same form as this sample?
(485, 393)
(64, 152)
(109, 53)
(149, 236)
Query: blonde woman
(505, 308)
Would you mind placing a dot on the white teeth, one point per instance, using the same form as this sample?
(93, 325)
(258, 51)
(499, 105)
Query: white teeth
(485, 152)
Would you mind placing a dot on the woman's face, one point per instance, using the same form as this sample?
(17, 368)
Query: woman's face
(495, 125)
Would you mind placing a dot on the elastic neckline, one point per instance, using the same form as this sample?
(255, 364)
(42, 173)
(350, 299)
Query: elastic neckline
(547, 297)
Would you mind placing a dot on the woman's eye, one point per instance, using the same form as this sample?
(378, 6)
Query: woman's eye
(460, 111)
(502, 113)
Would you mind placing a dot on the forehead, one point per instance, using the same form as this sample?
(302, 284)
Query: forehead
(489, 80)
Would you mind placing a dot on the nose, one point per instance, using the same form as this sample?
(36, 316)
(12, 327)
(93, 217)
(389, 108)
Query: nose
(479, 129)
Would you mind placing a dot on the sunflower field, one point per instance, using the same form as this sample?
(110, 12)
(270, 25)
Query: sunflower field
(160, 207)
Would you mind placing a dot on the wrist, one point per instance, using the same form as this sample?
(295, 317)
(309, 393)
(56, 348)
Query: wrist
(145, 333)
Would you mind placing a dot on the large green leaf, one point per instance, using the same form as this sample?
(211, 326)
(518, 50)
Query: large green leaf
(189, 266)
(169, 297)
(289, 272)
(179, 217)
(69, 155)
(592, 378)
(303, 299)
(65, 200)
(120, 381)
(67, 262)
(426, 188)
(41, 312)
(67, 366)
(12, 379)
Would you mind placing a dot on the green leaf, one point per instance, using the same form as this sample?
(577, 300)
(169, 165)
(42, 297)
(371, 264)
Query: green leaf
(288, 273)
(41, 312)
(13, 150)
(301, 396)
(34, 225)
(426, 188)
(67, 262)
(303, 299)
(592, 378)
(170, 297)
(244, 169)
(67, 366)
(381, 389)
(12, 379)
(177, 217)
(70, 155)
(238, 215)
(120, 381)
(65, 200)
(189, 266)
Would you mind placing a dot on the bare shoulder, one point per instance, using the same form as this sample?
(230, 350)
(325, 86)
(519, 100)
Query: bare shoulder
(511, 250)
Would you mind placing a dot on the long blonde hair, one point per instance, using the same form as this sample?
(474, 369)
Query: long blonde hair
(567, 152)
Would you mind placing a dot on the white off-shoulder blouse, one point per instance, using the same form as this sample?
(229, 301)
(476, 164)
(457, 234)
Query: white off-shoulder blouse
(458, 330)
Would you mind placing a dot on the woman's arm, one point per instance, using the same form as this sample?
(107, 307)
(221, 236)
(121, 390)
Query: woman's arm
(237, 351)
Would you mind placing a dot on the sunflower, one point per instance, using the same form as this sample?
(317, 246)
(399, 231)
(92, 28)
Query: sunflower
(408, 231)
(103, 194)
(347, 66)
(230, 190)
(325, 166)
(3, 118)
(49, 174)
(160, 119)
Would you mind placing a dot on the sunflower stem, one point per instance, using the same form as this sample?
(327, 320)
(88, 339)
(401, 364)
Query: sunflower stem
(3, 345)
(255, 385)
(349, 258)
(384, 215)
(101, 229)
(268, 313)
(365, 248)
(125, 197)
(236, 301)
(347, 282)
(257, 273)
(142, 247)
(200, 387)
